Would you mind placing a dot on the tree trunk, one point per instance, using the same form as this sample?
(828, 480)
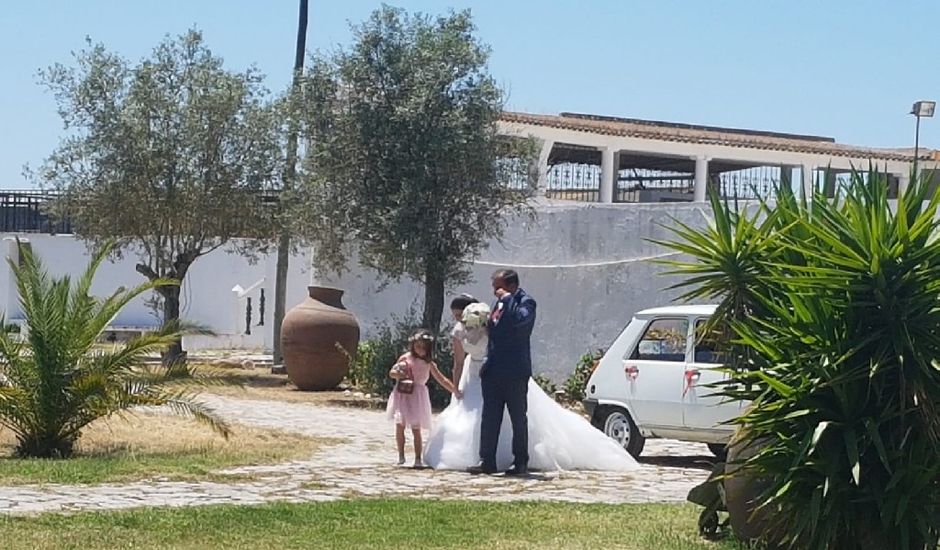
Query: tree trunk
(283, 245)
(45, 445)
(433, 301)
(174, 355)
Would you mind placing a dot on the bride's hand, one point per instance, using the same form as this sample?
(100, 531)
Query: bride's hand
(458, 394)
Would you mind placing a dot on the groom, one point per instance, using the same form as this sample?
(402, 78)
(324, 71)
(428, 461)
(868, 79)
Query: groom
(506, 371)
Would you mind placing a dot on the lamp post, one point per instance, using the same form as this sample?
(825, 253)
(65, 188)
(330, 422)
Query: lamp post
(921, 109)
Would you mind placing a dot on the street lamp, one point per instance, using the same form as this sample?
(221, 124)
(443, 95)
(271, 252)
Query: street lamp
(921, 109)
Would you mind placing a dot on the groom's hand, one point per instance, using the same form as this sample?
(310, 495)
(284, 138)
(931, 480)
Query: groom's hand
(501, 293)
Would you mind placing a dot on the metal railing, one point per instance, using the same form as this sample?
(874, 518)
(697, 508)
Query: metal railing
(23, 212)
(749, 183)
(581, 182)
(636, 185)
(574, 182)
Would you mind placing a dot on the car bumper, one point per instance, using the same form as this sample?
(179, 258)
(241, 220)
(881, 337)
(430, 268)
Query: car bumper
(589, 406)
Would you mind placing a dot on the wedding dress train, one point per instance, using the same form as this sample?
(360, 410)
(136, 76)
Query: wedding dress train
(559, 439)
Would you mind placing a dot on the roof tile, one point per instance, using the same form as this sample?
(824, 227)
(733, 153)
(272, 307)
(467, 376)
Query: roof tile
(712, 136)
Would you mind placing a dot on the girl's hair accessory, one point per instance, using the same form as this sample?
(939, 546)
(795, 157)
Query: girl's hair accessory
(421, 336)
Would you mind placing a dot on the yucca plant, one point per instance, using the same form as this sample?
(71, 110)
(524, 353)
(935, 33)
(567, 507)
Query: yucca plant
(56, 380)
(844, 327)
(729, 256)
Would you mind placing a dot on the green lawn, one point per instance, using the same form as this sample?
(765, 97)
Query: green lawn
(185, 466)
(379, 524)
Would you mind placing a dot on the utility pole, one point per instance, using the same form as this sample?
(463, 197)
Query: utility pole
(290, 174)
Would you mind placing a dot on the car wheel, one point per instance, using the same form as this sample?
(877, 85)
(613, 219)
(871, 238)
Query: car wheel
(720, 450)
(617, 424)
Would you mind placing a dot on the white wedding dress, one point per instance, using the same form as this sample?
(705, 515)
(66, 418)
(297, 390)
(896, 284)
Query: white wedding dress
(559, 439)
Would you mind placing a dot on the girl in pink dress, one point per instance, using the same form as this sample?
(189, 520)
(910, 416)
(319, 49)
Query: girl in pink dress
(411, 407)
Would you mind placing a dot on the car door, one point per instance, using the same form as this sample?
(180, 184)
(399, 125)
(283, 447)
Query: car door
(654, 368)
(702, 409)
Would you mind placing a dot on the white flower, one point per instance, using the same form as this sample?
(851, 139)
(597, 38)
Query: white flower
(475, 315)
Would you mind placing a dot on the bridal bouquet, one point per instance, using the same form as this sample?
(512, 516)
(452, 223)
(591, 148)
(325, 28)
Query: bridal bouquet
(475, 315)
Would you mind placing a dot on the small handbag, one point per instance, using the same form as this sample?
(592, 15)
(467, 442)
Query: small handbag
(406, 385)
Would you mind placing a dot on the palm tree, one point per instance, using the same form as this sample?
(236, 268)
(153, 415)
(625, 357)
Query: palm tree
(56, 381)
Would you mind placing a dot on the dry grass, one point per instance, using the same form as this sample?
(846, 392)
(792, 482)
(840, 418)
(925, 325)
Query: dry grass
(160, 433)
(258, 383)
(146, 445)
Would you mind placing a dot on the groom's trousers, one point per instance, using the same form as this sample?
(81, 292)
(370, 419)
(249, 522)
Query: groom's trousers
(500, 394)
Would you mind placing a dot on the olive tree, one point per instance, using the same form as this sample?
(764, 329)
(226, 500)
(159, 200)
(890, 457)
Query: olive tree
(170, 157)
(404, 163)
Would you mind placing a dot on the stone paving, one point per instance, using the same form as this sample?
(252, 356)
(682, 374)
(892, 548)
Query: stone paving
(362, 465)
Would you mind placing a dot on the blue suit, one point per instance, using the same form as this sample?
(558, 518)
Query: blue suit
(505, 376)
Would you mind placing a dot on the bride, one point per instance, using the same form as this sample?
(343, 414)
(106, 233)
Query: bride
(559, 439)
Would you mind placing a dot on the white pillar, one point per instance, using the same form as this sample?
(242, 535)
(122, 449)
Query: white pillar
(610, 173)
(904, 181)
(9, 294)
(807, 181)
(542, 181)
(701, 179)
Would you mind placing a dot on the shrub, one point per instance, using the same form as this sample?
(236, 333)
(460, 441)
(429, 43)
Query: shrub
(575, 384)
(368, 371)
(834, 306)
(55, 382)
(546, 384)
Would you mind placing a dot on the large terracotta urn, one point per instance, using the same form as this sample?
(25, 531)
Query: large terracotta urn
(751, 524)
(741, 492)
(314, 336)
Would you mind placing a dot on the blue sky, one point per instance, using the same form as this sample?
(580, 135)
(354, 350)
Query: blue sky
(840, 68)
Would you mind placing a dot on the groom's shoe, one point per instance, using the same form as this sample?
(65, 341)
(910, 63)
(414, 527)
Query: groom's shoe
(518, 471)
(481, 469)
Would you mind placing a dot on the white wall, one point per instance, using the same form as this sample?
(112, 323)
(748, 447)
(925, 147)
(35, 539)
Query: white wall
(586, 264)
(207, 296)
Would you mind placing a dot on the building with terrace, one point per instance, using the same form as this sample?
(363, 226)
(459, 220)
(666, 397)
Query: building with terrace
(592, 158)
(606, 159)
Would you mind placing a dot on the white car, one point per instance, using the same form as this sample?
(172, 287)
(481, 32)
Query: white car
(653, 380)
